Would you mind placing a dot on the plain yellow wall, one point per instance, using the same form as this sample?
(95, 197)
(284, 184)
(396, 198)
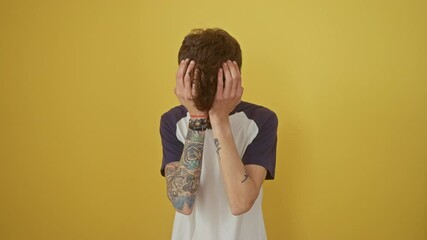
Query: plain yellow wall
(83, 85)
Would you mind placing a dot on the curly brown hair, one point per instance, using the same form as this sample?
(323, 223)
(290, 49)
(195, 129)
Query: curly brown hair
(209, 48)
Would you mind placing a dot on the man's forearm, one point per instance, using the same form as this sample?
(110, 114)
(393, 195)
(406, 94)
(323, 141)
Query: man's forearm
(183, 177)
(240, 187)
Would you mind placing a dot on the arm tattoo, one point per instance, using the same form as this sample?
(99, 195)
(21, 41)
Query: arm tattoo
(218, 147)
(183, 177)
(246, 177)
(193, 150)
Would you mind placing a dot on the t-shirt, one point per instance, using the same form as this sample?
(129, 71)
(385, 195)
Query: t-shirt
(254, 130)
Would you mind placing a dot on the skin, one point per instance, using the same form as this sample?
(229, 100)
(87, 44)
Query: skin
(183, 177)
(242, 182)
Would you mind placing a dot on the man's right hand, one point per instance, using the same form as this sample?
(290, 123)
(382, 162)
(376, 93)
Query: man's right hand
(185, 89)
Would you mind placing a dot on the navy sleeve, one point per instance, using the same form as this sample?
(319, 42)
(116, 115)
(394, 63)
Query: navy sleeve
(172, 147)
(262, 150)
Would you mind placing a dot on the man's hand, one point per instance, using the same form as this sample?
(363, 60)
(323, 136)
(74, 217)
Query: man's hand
(242, 182)
(228, 94)
(185, 90)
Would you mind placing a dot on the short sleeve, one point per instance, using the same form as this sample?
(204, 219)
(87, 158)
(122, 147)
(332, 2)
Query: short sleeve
(171, 146)
(262, 149)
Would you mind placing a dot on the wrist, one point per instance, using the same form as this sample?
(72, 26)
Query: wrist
(198, 124)
(219, 122)
(198, 115)
(221, 128)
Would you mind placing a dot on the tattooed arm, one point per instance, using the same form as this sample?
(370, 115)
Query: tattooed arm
(183, 177)
(242, 182)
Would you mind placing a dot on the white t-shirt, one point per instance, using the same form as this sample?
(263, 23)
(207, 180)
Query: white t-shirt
(255, 134)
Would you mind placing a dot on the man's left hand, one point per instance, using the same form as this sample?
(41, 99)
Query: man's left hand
(229, 92)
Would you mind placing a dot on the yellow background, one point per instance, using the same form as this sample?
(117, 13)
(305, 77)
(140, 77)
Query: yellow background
(83, 85)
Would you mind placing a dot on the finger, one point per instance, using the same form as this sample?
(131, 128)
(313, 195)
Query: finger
(234, 68)
(188, 79)
(220, 84)
(240, 91)
(235, 75)
(180, 74)
(239, 79)
(193, 91)
(228, 80)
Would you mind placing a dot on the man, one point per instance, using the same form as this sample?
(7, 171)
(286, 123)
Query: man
(217, 149)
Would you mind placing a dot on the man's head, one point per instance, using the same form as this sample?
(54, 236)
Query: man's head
(209, 48)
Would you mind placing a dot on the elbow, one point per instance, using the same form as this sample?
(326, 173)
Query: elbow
(241, 208)
(183, 205)
(185, 211)
(238, 211)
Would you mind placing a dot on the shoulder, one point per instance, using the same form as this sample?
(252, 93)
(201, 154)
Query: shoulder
(260, 114)
(174, 115)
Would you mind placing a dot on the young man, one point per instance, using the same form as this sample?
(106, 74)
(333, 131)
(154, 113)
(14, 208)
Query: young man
(217, 149)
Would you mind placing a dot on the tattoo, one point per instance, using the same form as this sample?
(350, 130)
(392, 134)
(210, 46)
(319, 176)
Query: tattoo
(218, 147)
(180, 201)
(183, 177)
(193, 150)
(199, 124)
(246, 177)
